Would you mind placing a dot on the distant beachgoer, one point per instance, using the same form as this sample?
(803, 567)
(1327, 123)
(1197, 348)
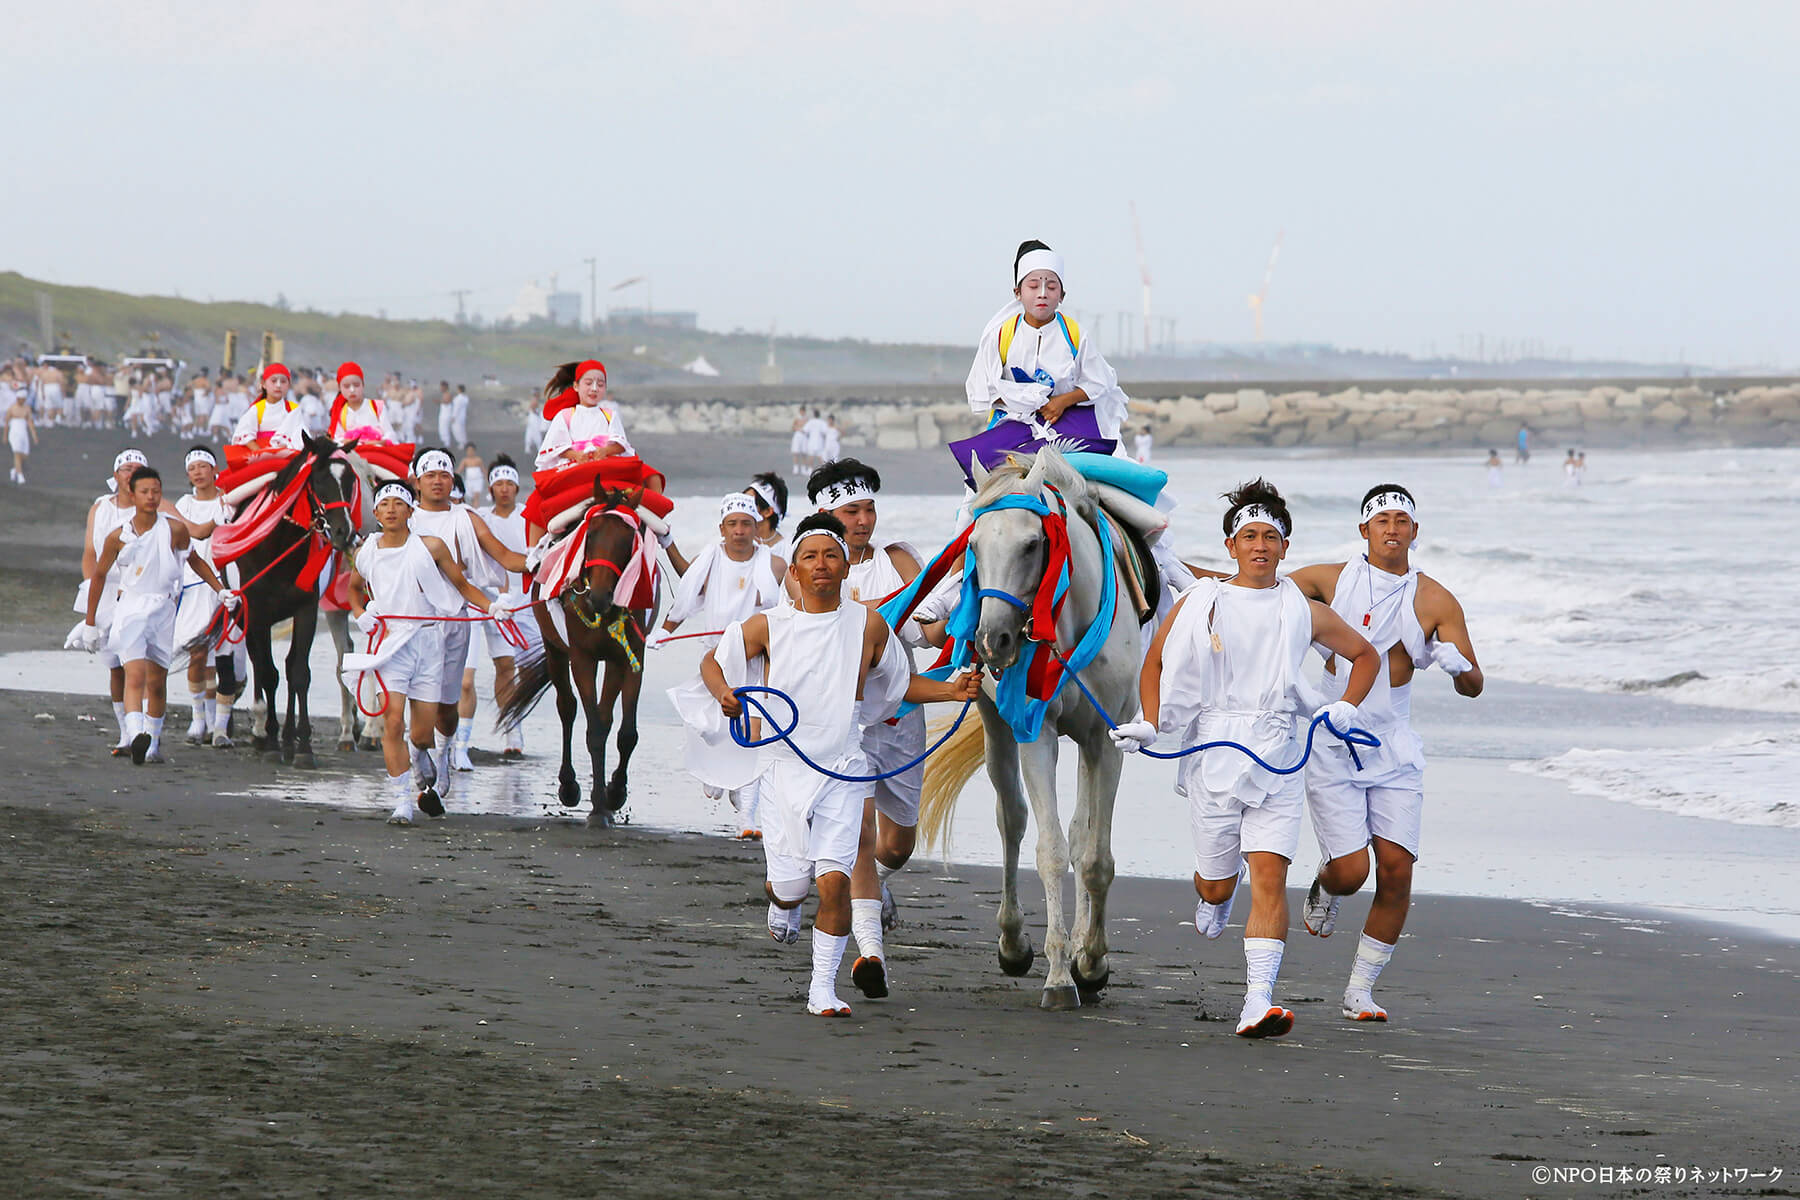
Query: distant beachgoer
(826, 650)
(1227, 664)
(1493, 468)
(815, 441)
(446, 414)
(459, 416)
(474, 473)
(1568, 469)
(1414, 622)
(1524, 452)
(797, 445)
(1142, 445)
(1580, 467)
(21, 432)
(149, 550)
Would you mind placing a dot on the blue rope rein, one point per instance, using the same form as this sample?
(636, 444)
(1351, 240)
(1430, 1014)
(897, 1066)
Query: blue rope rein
(740, 733)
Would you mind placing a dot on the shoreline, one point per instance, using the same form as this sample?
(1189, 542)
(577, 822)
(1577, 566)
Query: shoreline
(556, 983)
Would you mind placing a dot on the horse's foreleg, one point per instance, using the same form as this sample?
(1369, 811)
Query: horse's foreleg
(586, 670)
(1038, 763)
(568, 790)
(296, 739)
(337, 622)
(1010, 811)
(265, 680)
(1090, 835)
(631, 684)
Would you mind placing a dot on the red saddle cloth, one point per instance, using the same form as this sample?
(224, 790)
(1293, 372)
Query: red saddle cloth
(557, 490)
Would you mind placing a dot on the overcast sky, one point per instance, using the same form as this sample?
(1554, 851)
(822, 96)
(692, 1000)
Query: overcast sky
(1620, 178)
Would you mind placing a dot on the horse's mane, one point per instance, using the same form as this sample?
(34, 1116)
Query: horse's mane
(311, 454)
(1008, 479)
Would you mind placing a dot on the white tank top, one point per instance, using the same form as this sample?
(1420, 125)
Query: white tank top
(200, 512)
(877, 578)
(1382, 608)
(148, 565)
(817, 659)
(511, 533)
(404, 581)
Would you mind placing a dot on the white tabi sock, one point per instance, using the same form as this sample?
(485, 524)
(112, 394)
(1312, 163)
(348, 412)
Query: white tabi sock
(462, 734)
(1371, 957)
(424, 769)
(1262, 963)
(440, 760)
(197, 723)
(155, 727)
(119, 716)
(212, 712)
(132, 725)
(400, 793)
(828, 955)
(865, 925)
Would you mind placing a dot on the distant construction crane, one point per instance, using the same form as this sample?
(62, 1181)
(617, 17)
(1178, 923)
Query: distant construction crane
(461, 294)
(1262, 293)
(1137, 231)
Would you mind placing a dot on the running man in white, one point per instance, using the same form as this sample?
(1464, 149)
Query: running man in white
(213, 685)
(1413, 622)
(1227, 665)
(471, 544)
(401, 586)
(149, 550)
(728, 581)
(837, 660)
(107, 513)
(506, 518)
(21, 432)
(878, 568)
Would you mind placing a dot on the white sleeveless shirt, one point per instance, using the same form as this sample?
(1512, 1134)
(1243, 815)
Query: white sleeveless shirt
(148, 566)
(1382, 608)
(200, 512)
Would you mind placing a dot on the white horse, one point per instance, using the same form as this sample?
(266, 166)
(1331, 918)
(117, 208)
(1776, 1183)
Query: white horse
(1009, 546)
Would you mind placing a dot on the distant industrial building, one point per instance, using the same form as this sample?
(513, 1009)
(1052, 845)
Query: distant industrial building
(648, 319)
(563, 308)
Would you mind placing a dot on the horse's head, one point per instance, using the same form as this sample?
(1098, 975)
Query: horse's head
(612, 541)
(335, 490)
(1011, 549)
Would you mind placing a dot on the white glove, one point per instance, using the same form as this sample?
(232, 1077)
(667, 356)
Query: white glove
(1133, 736)
(659, 639)
(1341, 713)
(501, 608)
(1447, 656)
(90, 638)
(229, 601)
(368, 622)
(534, 557)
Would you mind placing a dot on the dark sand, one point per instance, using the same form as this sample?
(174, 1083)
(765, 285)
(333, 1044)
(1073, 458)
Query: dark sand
(208, 995)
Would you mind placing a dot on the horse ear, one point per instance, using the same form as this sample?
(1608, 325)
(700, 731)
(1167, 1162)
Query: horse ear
(1034, 478)
(977, 472)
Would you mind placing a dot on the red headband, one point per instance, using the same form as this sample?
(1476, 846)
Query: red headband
(592, 364)
(349, 368)
(275, 369)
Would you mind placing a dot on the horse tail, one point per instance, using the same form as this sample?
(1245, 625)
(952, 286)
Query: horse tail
(532, 678)
(946, 773)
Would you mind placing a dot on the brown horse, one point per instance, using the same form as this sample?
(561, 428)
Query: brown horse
(590, 628)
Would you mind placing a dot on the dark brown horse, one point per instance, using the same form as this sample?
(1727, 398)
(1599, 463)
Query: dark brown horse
(591, 627)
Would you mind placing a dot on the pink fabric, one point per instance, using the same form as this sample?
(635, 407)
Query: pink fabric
(564, 563)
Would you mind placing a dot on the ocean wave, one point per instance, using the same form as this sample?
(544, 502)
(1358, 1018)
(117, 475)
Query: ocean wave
(1746, 779)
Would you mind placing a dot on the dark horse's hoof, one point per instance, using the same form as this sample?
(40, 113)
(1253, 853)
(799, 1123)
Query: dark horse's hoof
(1090, 989)
(1018, 966)
(1060, 999)
(616, 794)
(568, 792)
(601, 817)
(304, 760)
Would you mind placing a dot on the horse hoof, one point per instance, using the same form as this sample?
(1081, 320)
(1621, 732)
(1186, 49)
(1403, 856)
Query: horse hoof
(305, 761)
(601, 817)
(269, 756)
(615, 795)
(1090, 989)
(1018, 966)
(568, 793)
(1060, 999)
(346, 747)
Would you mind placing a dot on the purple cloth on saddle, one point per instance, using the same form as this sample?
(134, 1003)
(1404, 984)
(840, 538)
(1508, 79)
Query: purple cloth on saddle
(1078, 430)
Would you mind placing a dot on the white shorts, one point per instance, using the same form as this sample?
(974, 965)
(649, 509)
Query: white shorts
(1349, 807)
(797, 444)
(456, 656)
(1225, 829)
(412, 673)
(886, 747)
(195, 613)
(831, 836)
(143, 627)
(499, 647)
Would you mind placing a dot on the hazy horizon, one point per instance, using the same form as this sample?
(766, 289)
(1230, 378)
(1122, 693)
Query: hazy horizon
(1606, 177)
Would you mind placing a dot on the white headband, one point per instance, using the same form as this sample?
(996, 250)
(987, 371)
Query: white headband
(130, 458)
(432, 460)
(394, 491)
(821, 533)
(502, 474)
(1040, 260)
(199, 455)
(768, 494)
(738, 502)
(1388, 502)
(1251, 513)
(848, 491)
